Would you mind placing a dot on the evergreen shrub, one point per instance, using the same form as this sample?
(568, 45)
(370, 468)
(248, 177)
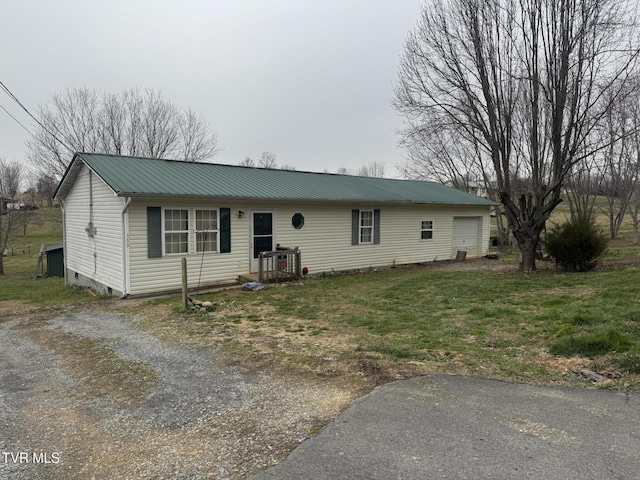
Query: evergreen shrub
(577, 244)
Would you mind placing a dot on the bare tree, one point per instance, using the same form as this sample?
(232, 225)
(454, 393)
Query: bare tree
(31, 192)
(268, 160)
(634, 211)
(45, 188)
(620, 167)
(634, 140)
(24, 218)
(247, 162)
(441, 154)
(582, 187)
(372, 169)
(524, 81)
(196, 143)
(10, 178)
(130, 123)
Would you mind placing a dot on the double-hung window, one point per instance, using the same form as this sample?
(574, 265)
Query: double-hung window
(184, 231)
(180, 235)
(366, 226)
(176, 231)
(426, 230)
(206, 231)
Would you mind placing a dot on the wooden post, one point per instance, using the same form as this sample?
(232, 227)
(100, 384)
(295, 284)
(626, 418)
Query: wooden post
(184, 283)
(39, 265)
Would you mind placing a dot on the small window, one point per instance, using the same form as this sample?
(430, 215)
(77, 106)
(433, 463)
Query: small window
(297, 221)
(206, 231)
(426, 231)
(366, 226)
(176, 231)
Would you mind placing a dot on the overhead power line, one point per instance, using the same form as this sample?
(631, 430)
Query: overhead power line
(16, 120)
(6, 90)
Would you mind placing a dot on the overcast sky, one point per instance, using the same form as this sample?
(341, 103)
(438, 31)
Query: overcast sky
(308, 80)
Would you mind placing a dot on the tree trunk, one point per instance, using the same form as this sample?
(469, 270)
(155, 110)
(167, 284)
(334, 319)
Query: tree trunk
(1, 262)
(503, 232)
(526, 221)
(527, 248)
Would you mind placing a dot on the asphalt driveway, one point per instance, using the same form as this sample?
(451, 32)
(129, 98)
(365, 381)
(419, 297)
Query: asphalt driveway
(466, 428)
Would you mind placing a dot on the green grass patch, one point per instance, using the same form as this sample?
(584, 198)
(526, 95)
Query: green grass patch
(604, 341)
(19, 283)
(629, 363)
(396, 351)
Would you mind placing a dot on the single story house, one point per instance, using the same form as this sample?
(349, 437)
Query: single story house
(129, 221)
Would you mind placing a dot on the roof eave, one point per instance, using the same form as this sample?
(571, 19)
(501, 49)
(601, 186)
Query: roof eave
(71, 175)
(300, 199)
(68, 178)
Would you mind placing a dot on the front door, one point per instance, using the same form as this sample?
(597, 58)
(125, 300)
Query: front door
(261, 236)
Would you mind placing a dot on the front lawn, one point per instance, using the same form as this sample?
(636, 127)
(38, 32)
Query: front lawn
(541, 328)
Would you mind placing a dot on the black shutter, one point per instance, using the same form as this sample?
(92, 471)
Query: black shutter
(225, 230)
(154, 232)
(355, 227)
(376, 226)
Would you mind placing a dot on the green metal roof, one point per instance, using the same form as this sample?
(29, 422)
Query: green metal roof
(135, 176)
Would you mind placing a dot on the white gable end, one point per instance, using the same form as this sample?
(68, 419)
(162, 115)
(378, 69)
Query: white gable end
(93, 232)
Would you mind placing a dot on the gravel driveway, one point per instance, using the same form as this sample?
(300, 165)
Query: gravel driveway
(86, 394)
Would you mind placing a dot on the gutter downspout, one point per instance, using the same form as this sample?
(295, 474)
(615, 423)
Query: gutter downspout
(125, 249)
(64, 241)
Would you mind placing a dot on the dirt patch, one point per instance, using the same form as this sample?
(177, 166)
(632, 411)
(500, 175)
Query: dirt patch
(93, 362)
(562, 365)
(10, 308)
(290, 347)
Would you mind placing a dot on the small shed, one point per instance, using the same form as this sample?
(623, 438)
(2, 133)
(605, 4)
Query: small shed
(55, 259)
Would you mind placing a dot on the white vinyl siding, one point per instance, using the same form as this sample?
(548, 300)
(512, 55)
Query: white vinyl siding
(98, 258)
(149, 275)
(325, 240)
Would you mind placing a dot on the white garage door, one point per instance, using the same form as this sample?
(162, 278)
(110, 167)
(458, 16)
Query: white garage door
(466, 235)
